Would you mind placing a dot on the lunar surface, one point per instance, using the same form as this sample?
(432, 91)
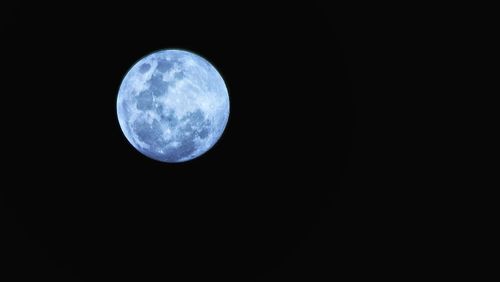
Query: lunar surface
(172, 106)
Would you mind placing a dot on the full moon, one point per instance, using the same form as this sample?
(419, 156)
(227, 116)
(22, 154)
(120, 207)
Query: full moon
(172, 106)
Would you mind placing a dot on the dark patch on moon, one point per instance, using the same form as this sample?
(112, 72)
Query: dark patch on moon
(168, 118)
(149, 133)
(144, 67)
(197, 124)
(186, 148)
(158, 108)
(179, 75)
(203, 133)
(144, 101)
(165, 65)
(157, 86)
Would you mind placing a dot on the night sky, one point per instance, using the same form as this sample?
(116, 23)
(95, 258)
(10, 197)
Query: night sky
(278, 198)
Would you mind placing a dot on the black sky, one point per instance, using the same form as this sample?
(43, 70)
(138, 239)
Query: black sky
(274, 200)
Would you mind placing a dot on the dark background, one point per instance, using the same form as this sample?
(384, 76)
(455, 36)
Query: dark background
(289, 192)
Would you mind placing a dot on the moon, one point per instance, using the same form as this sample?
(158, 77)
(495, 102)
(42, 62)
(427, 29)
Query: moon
(172, 106)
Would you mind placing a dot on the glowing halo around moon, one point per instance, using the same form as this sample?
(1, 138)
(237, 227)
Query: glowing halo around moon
(172, 106)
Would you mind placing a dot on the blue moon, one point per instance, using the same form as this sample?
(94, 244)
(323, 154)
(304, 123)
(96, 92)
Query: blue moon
(172, 106)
